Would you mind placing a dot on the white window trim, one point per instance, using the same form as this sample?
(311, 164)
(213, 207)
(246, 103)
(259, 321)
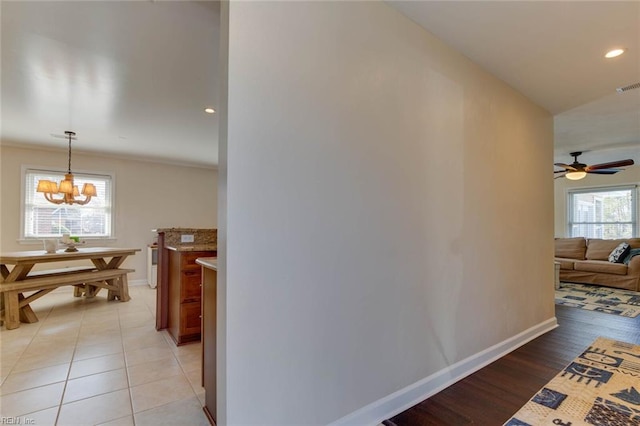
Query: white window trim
(33, 240)
(569, 205)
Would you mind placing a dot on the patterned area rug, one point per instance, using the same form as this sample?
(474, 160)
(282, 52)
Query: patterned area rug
(601, 299)
(600, 387)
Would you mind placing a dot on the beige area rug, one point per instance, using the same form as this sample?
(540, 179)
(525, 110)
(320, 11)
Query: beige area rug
(601, 299)
(600, 387)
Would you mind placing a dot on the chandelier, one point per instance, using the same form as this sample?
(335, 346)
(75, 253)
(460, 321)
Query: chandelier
(67, 189)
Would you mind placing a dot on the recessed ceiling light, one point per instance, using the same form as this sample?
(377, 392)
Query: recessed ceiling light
(209, 110)
(614, 53)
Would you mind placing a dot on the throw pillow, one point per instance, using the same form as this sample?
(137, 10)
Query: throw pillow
(632, 253)
(619, 253)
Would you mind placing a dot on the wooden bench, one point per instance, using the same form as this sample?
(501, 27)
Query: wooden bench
(17, 307)
(61, 271)
(78, 289)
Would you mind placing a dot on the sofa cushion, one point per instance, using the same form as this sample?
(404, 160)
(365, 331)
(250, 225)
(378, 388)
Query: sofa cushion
(571, 248)
(605, 267)
(598, 249)
(620, 253)
(565, 263)
(633, 242)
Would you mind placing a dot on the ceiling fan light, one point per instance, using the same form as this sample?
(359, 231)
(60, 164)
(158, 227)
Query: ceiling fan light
(576, 175)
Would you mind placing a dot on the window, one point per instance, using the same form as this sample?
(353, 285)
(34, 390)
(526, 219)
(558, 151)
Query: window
(43, 219)
(610, 213)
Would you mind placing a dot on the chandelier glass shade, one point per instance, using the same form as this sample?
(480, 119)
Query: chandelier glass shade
(67, 189)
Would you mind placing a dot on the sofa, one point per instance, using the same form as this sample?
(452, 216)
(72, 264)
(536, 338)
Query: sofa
(586, 261)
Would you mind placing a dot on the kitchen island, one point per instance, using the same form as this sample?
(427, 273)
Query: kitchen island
(179, 278)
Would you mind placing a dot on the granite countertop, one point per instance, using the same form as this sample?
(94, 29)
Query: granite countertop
(183, 230)
(208, 262)
(193, 247)
(189, 239)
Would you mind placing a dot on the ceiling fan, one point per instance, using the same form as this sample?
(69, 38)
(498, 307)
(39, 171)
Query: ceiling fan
(577, 170)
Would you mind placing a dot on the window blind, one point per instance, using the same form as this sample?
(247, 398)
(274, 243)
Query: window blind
(607, 212)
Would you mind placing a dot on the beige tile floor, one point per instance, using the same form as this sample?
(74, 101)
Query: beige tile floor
(93, 362)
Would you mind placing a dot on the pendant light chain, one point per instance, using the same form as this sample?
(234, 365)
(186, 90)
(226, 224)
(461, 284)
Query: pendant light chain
(70, 134)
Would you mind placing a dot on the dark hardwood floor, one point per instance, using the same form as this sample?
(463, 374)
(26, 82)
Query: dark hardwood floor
(493, 394)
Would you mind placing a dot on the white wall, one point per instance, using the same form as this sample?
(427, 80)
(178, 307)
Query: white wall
(148, 195)
(630, 176)
(388, 211)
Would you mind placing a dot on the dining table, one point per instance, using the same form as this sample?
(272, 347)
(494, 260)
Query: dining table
(18, 277)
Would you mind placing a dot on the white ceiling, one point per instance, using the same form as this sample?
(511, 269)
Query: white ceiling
(553, 52)
(132, 78)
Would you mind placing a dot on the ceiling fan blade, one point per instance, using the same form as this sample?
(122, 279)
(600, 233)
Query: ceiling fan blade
(565, 166)
(604, 171)
(620, 163)
(560, 176)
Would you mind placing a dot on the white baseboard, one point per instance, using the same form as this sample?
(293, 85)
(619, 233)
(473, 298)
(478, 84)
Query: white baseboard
(142, 281)
(401, 400)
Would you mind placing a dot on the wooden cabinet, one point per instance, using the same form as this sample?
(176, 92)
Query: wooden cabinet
(209, 349)
(184, 289)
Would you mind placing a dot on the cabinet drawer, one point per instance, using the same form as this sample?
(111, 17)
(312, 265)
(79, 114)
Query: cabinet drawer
(190, 286)
(188, 259)
(190, 318)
